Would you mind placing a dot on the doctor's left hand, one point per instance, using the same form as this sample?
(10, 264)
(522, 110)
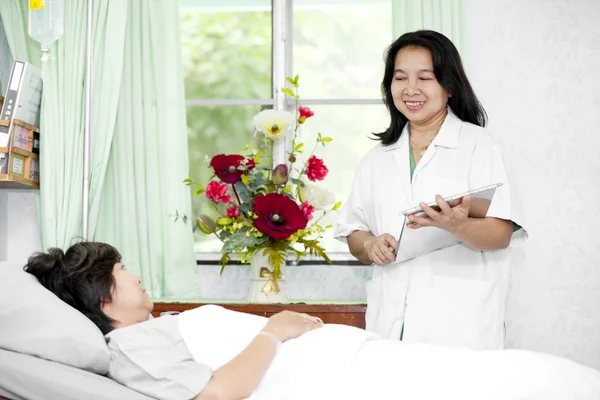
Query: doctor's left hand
(448, 218)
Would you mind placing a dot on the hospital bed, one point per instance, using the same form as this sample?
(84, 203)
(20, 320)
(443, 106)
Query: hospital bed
(48, 351)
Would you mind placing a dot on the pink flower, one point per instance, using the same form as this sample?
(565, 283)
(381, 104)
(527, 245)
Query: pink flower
(316, 170)
(233, 211)
(307, 210)
(305, 112)
(217, 192)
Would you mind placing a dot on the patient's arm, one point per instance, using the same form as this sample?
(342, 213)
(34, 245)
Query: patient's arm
(239, 377)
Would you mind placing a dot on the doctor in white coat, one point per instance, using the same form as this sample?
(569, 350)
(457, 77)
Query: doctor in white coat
(435, 145)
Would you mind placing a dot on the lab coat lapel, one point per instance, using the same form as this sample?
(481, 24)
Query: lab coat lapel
(400, 151)
(447, 137)
(424, 160)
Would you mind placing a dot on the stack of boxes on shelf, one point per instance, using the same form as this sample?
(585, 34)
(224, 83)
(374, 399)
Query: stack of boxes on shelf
(19, 135)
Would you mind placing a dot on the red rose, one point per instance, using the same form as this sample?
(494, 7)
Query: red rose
(307, 210)
(304, 112)
(217, 192)
(278, 216)
(226, 167)
(316, 170)
(233, 211)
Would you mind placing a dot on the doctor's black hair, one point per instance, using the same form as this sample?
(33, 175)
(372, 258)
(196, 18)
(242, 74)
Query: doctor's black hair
(82, 277)
(449, 72)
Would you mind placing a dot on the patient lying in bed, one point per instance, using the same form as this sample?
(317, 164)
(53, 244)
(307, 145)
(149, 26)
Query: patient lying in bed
(211, 352)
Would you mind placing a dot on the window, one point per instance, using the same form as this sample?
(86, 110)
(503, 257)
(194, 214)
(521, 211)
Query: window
(232, 61)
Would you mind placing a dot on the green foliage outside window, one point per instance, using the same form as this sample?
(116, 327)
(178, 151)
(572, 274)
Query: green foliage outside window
(225, 56)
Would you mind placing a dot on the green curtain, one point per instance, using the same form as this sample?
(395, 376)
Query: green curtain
(22, 46)
(444, 16)
(138, 135)
(61, 122)
(148, 161)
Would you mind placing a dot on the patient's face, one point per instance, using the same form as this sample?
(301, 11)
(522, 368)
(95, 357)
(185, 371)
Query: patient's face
(130, 304)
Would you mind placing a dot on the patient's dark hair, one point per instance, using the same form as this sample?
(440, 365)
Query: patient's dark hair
(81, 277)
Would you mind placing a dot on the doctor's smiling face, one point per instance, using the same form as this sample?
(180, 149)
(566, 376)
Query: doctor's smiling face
(415, 89)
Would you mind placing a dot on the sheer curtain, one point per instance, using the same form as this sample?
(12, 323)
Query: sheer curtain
(444, 16)
(148, 162)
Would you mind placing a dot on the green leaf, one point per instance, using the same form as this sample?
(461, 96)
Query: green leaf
(224, 221)
(288, 91)
(297, 182)
(314, 248)
(326, 139)
(271, 187)
(290, 80)
(239, 240)
(296, 79)
(298, 147)
(225, 258)
(337, 205)
(243, 192)
(276, 258)
(187, 181)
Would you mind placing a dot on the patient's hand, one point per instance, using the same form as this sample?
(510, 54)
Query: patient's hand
(289, 325)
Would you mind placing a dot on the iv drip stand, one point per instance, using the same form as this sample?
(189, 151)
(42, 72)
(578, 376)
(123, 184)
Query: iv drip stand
(86, 122)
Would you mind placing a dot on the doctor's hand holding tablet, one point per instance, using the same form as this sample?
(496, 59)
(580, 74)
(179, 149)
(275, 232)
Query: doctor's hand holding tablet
(447, 213)
(450, 212)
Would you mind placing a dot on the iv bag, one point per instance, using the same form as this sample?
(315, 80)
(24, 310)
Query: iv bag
(45, 25)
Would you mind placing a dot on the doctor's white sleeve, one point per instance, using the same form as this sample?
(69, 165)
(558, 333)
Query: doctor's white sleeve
(487, 167)
(352, 215)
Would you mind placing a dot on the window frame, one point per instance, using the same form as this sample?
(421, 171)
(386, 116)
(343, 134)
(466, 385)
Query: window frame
(282, 12)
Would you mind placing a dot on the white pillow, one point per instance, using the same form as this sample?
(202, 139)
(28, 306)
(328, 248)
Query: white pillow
(34, 321)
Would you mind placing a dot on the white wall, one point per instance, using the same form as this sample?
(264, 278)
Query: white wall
(19, 227)
(535, 65)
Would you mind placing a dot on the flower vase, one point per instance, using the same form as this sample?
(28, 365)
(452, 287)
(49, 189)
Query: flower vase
(265, 287)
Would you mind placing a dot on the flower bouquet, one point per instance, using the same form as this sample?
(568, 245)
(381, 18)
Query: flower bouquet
(269, 209)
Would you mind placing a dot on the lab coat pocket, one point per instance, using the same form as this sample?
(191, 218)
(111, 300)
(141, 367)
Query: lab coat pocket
(467, 312)
(386, 295)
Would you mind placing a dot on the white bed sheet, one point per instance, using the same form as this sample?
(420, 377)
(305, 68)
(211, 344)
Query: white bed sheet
(339, 361)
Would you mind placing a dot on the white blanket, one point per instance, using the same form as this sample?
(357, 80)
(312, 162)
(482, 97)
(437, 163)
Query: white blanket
(341, 362)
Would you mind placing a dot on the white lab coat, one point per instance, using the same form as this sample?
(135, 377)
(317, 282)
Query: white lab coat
(455, 296)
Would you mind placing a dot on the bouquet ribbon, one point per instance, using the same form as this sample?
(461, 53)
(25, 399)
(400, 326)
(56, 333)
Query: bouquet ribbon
(271, 285)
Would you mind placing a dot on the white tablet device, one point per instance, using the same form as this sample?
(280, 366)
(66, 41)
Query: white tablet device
(480, 202)
(415, 243)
